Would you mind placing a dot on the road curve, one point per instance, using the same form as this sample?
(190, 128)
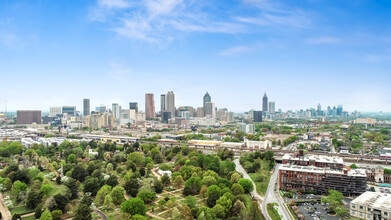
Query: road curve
(273, 197)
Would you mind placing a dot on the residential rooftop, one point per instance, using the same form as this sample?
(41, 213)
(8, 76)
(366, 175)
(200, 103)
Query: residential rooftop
(375, 200)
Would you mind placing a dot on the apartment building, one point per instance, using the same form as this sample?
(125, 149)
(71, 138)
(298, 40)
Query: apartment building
(371, 205)
(322, 179)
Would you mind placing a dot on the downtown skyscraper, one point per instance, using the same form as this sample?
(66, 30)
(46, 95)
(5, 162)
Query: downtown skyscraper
(170, 103)
(265, 104)
(149, 106)
(86, 107)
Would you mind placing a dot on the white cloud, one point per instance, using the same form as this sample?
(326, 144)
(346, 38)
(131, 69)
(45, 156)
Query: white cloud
(323, 40)
(234, 50)
(159, 21)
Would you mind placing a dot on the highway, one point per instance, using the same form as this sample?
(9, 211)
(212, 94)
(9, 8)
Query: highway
(273, 197)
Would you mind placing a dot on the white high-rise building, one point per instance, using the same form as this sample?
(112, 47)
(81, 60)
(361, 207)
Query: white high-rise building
(170, 103)
(55, 111)
(272, 107)
(116, 111)
(247, 128)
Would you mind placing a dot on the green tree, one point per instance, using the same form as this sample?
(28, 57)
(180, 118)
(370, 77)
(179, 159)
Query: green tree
(71, 158)
(239, 209)
(147, 196)
(33, 199)
(132, 187)
(353, 166)
(117, 195)
(56, 214)
(134, 206)
(178, 181)
(192, 186)
(83, 212)
(213, 195)
(190, 201)
(237, 189)
(46, 215)
(166, 179)
(79, 173)
(102, 193)
(46, 189)
(91, 185)
(246, 184)
(209, 180)
(158, 186)
(219, 210)
(334, 198)
(136, 158)
(18, 187)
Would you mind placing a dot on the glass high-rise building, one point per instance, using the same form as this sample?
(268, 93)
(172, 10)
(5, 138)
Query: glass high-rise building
(86, 107)
(162, 102)
(70, 110)
(265, 103)
(207, 98)
(133, 105)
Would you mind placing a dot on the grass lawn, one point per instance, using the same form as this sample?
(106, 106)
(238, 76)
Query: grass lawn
(21, 209)
(62, 189)
(273, 213)
(31, 217)
(262, 174)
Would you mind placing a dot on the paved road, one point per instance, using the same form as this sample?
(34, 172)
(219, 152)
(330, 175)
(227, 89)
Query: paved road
(4, 209)
(240, 169)
(273, 197)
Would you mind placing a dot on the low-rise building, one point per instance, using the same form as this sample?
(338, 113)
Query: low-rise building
(322, 179)
(313, 160)
(266, 144)
(371, 205)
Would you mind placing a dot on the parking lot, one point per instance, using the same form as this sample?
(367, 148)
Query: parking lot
(315, 211)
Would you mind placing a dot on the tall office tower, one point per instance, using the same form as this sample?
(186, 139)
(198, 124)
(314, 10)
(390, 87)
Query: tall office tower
(86, 107)
(70, 110)
(200, 112)
(231, 116)
(319, 108)
(116, 111)
(149, 106)
(257, 116)
(101, 109)
(162, 102)
(207, 98)
(210, 110)
(272, 107)
(28, 117)
(328, 110)
(54, 111)
(166, 116)
(133, 105)
(170, 103)
(339, 110)
(264, 104)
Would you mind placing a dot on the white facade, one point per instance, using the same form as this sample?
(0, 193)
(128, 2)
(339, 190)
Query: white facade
(371, 205)
(55, 111)
(247, 128)
(258, 144)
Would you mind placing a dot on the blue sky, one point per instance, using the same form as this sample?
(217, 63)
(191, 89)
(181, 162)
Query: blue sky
(302, 53)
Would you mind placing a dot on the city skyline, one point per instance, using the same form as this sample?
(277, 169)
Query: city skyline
(154, 105)
(302, 54)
